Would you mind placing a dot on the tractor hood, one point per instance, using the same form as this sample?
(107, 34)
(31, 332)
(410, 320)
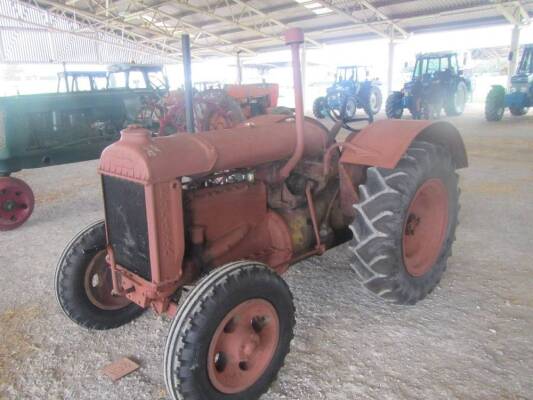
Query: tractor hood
(144, 159)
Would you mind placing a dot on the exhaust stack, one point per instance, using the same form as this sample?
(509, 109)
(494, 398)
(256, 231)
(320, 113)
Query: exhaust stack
(295, 37)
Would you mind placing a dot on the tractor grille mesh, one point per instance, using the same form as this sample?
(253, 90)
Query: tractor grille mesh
(127, 228)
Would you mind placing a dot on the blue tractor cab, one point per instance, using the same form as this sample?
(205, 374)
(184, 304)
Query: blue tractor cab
(437, 83)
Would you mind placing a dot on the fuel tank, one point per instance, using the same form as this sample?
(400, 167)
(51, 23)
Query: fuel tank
(139, 157)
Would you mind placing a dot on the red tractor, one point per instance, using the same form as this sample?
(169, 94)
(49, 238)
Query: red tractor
(230, 210)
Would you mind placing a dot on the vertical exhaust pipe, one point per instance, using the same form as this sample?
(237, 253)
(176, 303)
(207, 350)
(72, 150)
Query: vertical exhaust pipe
(187, 75)
(295, 37)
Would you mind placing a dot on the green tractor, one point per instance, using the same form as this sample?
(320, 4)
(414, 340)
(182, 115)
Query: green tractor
(520, 97)
(60, 128)
(437, 84)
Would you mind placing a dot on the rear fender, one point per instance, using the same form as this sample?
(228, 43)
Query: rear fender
(383, 143)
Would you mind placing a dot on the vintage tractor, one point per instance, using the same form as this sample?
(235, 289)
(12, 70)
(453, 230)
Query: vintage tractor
(212, 109)
(255, 98)
(437, 83)
(352, 90)
(520, 97)
(228, 211)
(59, 128)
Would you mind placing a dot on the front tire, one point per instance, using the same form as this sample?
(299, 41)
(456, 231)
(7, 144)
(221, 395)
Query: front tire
(518, 111)
(405, 224)
(230, 337)
(495, 104)
(320, 106)
(394, 106)
(83, 283)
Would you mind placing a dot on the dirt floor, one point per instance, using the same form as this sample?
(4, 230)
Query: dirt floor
(471, 339)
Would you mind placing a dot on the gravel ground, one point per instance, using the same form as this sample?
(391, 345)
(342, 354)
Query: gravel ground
(471, 339)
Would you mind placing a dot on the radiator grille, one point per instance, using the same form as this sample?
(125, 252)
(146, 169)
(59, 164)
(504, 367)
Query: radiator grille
(127, 228)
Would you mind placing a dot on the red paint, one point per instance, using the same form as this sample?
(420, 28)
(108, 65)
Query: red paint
(243, 346)
(425, 227)
(16, 203)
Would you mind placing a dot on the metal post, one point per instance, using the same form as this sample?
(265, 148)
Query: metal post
(304, 74)
(390, 75)
(239, 68)
(513, 55)
(186, 53)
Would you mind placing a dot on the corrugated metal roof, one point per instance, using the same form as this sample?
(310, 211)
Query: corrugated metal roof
(144, 29)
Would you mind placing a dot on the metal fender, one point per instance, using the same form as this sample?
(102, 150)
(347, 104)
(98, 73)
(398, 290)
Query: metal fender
(383, 143)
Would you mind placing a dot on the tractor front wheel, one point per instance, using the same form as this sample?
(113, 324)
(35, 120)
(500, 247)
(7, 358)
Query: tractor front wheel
(394, 106)
(519, 111)
(495, 104)
(230, 337)
(320, 106)
(405, 224)
(84, 286)
(16, 203)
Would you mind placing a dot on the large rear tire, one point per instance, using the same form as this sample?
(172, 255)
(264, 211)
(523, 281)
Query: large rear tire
(495, 104)
(373, 101)
(394, 106)
(83, 283)
(456, 102)
(405, 224)
(230, 337)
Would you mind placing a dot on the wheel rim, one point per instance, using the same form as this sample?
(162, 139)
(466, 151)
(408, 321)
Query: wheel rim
(425, 227)
(98, 284)
(373, 102)
(243, 346)
(16, 203)
(350, 109)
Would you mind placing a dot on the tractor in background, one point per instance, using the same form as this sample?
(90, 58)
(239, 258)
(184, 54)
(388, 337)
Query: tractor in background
(41, 130)
(228, 211)
(520, 97)
(352, 90)
(437, 83)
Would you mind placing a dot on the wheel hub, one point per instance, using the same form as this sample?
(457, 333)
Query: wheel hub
(16, 202)
(99, 284)
(243, 346)
(425, 227)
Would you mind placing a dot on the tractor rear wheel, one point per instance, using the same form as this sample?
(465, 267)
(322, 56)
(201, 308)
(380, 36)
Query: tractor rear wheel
(230, 337)
(394, 106)
(456, 102)
(495, 104)
(519, 111)
(405, 224)
(372, 101)
(83, 283)
(320, 108)
(16, 203)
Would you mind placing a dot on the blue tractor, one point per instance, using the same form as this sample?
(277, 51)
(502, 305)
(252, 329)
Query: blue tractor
(352, 90)
(437, 83)
(520, 98)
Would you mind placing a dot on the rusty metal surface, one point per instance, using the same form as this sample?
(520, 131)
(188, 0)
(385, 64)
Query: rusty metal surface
(139, 157)
(384, 142)
(120, 368)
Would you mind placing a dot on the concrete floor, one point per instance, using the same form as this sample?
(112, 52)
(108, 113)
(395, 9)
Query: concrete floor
(471, 339)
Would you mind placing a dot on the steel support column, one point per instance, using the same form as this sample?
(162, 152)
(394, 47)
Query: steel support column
(304, 73)
(390, 73)
(239, 68)
(513, 55)
(187, 75)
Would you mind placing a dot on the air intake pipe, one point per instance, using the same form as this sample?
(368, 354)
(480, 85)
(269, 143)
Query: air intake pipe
(295, 37)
